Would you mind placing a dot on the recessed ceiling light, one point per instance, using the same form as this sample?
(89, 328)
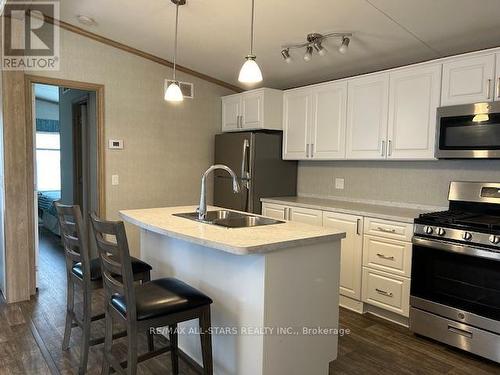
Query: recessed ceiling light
(85, 20)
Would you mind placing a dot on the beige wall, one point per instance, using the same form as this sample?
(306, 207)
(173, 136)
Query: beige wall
(424, 183)
(167, 147)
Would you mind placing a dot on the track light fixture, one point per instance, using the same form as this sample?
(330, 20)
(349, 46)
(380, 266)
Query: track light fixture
(308, 54)
(286, 55)
(345, 44)
(315, 42)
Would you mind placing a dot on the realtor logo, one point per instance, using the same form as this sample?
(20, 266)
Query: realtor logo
(30, 39)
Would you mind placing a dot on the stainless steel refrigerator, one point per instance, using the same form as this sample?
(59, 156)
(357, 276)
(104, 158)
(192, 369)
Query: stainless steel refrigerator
(256, 157)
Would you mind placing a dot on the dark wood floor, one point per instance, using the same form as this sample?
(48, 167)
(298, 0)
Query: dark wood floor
(31, 336)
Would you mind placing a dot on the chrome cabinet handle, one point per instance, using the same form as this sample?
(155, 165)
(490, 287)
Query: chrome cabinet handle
(498, 87)
(383, 148)
(489, 89)
(386, 230)
(389, 146)
(312, 149)
(358, 222)
(307, 150)
(383, 292)
(385, 256)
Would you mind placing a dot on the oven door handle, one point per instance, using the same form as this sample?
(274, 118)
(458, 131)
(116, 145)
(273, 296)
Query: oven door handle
(457, 248)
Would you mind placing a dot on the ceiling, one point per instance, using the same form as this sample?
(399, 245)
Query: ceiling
(214, 34)
(47, 92)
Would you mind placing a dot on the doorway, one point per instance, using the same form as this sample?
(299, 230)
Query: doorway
(67, 139)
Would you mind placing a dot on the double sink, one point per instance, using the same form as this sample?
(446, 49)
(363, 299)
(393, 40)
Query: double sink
(230, 219)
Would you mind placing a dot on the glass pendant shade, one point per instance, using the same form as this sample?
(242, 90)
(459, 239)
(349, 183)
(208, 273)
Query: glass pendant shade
(250, 71)
(173, 92)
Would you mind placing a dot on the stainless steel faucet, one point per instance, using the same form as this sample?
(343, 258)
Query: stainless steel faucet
(202, 209)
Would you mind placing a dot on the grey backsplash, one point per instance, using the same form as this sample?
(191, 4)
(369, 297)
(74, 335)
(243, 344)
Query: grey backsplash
(422, 182)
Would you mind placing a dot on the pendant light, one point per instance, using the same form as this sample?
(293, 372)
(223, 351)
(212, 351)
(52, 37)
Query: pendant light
(250, 71)
(173, 92)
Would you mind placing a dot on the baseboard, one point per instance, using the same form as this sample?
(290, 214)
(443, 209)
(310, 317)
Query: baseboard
(387, 315)
(351, 304)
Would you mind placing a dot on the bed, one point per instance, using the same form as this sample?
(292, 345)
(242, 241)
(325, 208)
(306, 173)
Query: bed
(47, 211)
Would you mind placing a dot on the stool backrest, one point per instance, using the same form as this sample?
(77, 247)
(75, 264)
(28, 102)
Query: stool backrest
(112, 246)
(74, 238)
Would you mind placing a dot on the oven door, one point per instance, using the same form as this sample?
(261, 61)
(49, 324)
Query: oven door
(468, 131)
(446, 275)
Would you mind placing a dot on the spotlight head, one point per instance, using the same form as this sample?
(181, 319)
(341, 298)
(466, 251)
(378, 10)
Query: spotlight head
(308, 54)
(345, 44)
(286, 55)
(319, 48)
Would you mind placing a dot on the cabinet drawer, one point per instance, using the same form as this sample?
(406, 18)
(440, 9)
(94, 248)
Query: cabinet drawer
(387, 255)
(275, 211)
(389, 229)
(386, 291)
(306, 216)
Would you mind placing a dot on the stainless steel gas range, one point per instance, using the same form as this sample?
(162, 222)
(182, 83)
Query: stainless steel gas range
(455, 286)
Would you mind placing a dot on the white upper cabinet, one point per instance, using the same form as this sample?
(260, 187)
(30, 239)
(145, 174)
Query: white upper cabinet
(367, 110)
(253, 110)
(414, 95)
(231, 112)
(468, 80)
(296, 118)
(329, 103)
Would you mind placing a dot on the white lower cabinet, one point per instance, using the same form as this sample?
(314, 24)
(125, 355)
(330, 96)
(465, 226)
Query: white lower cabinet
(276, 211)
(386, 291)
(351, 251)
(306, 216)
(375, 260)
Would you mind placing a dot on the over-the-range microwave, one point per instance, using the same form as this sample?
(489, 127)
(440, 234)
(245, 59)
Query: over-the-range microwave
(468, 131)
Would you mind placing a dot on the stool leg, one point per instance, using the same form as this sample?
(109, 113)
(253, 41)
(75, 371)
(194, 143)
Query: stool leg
(174, 352)
(206, 341)
(132, 349)
(151, 342)
(86, 321)
(108, 342)
(70, 303)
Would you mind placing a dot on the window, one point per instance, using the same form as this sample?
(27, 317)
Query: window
(48, 161)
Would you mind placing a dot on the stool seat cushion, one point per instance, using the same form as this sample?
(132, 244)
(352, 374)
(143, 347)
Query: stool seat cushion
(138, 266)
(162, 297)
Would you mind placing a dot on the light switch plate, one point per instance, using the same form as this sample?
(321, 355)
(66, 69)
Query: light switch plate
(115, 180)
(339, 183)
(115, 144)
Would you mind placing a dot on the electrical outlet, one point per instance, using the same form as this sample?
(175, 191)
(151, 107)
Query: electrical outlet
(115, 180)
(339, 183)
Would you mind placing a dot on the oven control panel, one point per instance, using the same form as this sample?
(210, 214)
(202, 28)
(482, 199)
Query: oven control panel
(463, 236)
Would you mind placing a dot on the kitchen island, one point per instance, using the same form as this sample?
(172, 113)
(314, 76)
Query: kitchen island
(275, 289)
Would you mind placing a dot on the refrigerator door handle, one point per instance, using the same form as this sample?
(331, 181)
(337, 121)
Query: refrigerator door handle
(244, 173)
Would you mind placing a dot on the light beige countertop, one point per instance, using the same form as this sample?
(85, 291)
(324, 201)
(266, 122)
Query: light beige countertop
(240, 241)
(379, 211)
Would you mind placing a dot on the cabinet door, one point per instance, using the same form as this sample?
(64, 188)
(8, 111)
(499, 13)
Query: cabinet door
(252, 110)
(351, 251)
(497, 78)
(275, 211)
(367, 109)
(231, 109)
(297, 108)
(414, 96)
(329, 121)
(468, 80)
(306, 216)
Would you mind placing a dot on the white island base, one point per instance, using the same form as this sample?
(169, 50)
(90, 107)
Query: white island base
(255, 295)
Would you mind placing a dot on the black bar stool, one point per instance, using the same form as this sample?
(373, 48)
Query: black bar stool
(158, 303)
(86, 273)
